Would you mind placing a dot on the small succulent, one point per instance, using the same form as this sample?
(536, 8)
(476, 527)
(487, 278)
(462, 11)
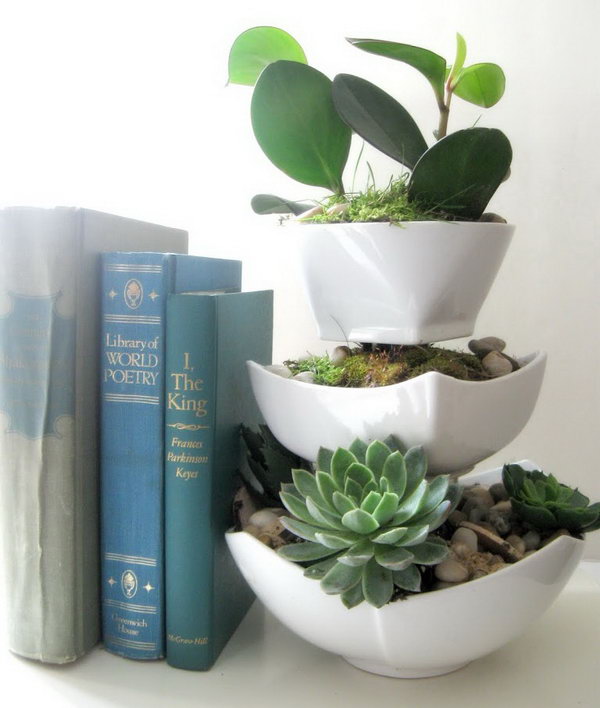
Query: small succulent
(547, 504)
(366, 516)
(267, 465)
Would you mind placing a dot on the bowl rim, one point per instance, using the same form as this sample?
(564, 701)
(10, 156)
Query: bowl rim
(528, 362)
(490, 225)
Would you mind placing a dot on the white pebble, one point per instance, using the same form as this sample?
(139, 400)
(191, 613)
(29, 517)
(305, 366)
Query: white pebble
(466, 536)
(451, 571)
(263, 518)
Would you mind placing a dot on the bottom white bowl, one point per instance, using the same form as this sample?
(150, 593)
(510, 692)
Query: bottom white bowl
(425, 635)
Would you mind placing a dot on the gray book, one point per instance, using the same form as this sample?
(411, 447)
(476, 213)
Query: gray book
(49, 357)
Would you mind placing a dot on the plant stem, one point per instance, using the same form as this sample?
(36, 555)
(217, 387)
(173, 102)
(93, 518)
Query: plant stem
(444, 114)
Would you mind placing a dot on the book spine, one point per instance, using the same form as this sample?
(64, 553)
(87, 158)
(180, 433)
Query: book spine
(134, 291)
(189, 449)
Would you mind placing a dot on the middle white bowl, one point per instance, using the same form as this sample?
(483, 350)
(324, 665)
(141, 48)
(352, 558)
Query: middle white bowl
(459, 423)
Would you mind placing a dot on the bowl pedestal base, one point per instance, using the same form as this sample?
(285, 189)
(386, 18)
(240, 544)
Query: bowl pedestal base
(405, 673)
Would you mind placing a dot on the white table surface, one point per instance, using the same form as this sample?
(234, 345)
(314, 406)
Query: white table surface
(554, 664)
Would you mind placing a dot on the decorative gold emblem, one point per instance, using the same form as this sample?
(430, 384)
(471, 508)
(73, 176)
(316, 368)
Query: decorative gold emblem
(129, 583)
(134, 294)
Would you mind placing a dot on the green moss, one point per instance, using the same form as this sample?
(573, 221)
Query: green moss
(389, 205)
(389, 365)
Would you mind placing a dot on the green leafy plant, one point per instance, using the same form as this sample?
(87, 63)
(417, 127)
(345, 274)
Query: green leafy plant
(304, 122)
(267, 465)
(366, 517)
(547, 504)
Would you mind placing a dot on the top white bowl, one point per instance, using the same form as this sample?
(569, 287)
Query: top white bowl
(458, 422)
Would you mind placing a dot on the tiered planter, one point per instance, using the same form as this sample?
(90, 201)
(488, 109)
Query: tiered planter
(422, 282)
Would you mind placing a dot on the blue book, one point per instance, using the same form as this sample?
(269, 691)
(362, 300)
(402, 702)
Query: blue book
(135, 287)
(209, 339)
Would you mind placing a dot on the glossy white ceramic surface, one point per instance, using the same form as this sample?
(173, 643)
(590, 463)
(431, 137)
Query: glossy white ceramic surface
(459, 423)
(410, 284)
(426, 635)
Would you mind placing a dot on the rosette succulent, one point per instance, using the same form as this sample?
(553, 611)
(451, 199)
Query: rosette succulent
(365, 517)
(547, 504)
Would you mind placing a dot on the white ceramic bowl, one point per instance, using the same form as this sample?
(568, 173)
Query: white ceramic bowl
(425, 635)
(420, 282)
(459, 423)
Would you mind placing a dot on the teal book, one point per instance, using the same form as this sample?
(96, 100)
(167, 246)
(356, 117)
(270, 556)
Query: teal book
(49, 361)
(209, 339)
(135, 287)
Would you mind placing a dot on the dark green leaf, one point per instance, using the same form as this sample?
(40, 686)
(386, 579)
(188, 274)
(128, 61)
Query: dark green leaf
(431, 65)
(378, 118)
(340, 578)
(375, 457)
(512, 478)
(361, 474)
(393, 558)
(481, 84)
(461, 172)
(537, 516)
(256, 48)
(575, 519)
(326, 485)
(297, 126)
(377, 584)
(306, 551)
(360, 522)
(394, 444)
(271, 204)
(408, 579)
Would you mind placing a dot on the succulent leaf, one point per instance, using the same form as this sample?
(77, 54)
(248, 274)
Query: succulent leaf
(408, 579)
(394, 470)
(359, 450)
(377, 584)
(409, 506)
(353, 490)
(336, 539)
(296, 506)
(429, 552)
(316, 571)
(371, 502)
(416, 468)
(306, 551)
(375, 457)
(386, 508)
(353, 597)
(340, 461)
(436, 517)
(343, 503)
(324, 459)
(340, 578)
(305, 531)
(414, 536)
(306, 484)
(360, 473)
(391, 536)
(359, 521)
(326, 486)
(393, 558)
(436, 493)
(359, 554)
(323, 518)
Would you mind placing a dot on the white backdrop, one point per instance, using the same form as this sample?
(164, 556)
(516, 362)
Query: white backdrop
(122, 106)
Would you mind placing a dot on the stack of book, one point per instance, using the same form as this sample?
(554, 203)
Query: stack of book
(166, 335)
